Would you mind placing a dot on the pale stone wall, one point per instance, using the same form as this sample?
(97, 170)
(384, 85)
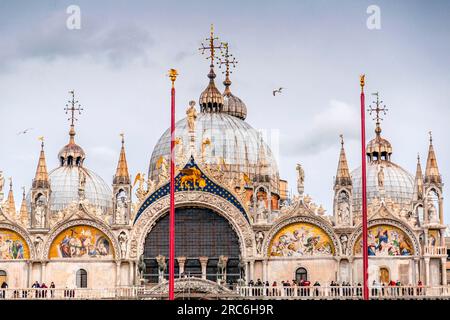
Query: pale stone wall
(323, 270)
(399, 269)
(99, 274)
(16, 273)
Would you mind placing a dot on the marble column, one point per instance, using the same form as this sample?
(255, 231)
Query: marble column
(444, 270)
(264, 275)
(118, 273)
(29, 273)
(427, 271)
(181, 263)
(252, 269)
(204, 263)
(131, 273)
(43, 271)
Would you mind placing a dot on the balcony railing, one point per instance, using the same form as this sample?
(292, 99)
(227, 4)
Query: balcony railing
(239, 292)
(432, 250)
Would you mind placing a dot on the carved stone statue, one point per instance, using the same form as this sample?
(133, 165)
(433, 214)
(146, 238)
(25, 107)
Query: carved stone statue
(81, 184)
(141, 266)
(344, 242)
(343, 208)
(121, 209)
(432, 214)
(140, 191)
(39, 213)
(241, 267)
(123, 240)
(191, 113)
(259, 237)
(300, 179)
(38, 242)
(381, 177)
(222, 267)
(162, 266)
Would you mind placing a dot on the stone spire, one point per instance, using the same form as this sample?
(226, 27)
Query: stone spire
(343, 173)
(122, 176)
(23, 213)
(10, 201)
(41, 177)
(432, 174)
(418, 184)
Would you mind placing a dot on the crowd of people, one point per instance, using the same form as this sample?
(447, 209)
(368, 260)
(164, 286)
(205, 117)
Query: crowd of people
(345, 289)
(38, 290)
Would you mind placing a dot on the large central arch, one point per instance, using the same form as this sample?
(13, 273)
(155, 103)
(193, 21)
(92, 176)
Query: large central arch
(148, 219)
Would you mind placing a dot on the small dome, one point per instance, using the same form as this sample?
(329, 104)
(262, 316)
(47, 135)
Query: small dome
(379, 148)
(64, 183)
(211, 99)
(71, 154)
(234, 106)
(398, 184)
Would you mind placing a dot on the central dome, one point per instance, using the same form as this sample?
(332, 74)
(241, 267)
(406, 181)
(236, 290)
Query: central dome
(239, 145)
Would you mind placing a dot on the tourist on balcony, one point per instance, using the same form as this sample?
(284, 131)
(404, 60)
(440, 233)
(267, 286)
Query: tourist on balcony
(44, 291)
(3, 292)
(52, 292)
(36, 286)
(316, 291)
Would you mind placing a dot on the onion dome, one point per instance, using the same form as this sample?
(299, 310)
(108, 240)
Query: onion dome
(72, 154)
(385, 179)
(211, 99)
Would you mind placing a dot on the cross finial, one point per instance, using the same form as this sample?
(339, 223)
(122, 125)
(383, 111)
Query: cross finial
(122, 135)
(73, 106)
(211, 46)
(342, 139)
(228, 60)
(378, 109)
(431, 137)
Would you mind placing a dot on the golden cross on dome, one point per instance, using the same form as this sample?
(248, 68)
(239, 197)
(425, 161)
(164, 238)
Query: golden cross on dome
(377, 110)
(227, 59)
(211, 46)
(72, 107)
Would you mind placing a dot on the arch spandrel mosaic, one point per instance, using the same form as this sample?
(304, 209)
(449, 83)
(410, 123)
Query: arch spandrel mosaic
(300, 239)
(386, 240)
(13, 246)
(81, 242)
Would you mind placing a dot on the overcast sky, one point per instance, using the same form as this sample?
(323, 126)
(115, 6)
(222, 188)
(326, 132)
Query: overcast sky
(117, 63)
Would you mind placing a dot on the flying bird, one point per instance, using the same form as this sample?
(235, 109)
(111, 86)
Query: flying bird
(24, 131)
(274, 92)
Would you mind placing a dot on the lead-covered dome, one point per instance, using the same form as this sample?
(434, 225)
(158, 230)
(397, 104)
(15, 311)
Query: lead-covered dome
(398, 184)
(64, 184)
(241, 147)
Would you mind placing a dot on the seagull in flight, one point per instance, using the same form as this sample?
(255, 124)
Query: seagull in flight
(24, 131)
(274, 92)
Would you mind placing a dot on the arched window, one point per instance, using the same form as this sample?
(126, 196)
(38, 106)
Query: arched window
(81, 278)
(301, 274)
(2, 276)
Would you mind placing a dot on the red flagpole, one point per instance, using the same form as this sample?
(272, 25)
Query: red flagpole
(364, 193)
(173, 76)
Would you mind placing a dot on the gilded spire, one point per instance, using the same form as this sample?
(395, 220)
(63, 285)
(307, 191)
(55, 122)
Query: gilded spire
(41, 176)
(10, 201)
(418, 183)
(378, 149)
(211, 99)
(122, 176)
(432, 174)
(72, 106)
(377, 110)
(23, 214)
(343, 173)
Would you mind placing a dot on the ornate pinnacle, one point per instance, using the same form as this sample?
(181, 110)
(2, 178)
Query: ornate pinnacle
(173, 76)
(72, 107)
(228, 60)
(212, 49)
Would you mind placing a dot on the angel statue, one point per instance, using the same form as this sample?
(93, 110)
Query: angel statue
(191, 113)
(140, 192)
(300, 179)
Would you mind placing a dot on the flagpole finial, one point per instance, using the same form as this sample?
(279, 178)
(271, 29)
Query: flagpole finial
(173, 76)
(362, 81)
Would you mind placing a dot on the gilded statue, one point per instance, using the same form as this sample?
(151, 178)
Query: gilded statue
(193, 176)
(191, 113)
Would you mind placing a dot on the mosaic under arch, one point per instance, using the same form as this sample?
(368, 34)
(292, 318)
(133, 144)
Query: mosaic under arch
(81, 241)
(385, 240)
(13, 246)
(301, 239)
